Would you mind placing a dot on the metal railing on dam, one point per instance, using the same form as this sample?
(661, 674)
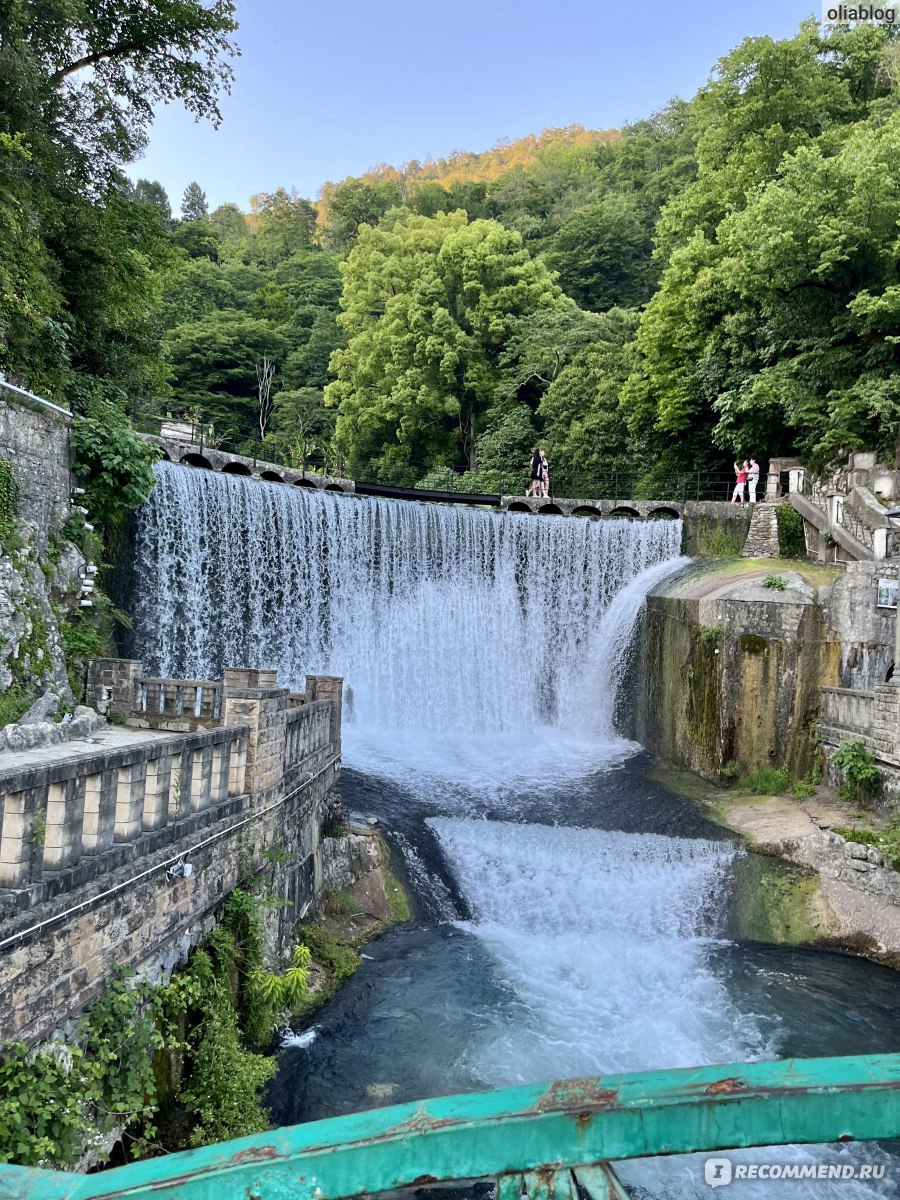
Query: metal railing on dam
(554, 1141)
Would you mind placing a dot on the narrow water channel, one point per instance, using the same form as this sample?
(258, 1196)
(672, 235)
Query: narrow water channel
(571, 916)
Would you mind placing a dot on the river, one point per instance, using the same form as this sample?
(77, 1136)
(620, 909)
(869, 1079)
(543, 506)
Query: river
(572, 917)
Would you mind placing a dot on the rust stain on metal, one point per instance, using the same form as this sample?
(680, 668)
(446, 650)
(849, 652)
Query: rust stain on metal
(726, 1087)
(423, 1179)
(420, 1122)
(254, 1154)
(578, 1096)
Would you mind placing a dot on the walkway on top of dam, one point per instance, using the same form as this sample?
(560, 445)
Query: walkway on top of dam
(228, 463)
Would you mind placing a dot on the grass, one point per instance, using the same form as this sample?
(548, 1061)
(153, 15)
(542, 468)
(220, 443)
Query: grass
(767, 781)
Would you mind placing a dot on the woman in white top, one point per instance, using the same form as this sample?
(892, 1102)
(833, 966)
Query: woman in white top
(753, 479)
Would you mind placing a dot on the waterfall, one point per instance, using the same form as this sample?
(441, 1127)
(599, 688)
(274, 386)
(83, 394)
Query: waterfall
(604, 937)
(445, 622)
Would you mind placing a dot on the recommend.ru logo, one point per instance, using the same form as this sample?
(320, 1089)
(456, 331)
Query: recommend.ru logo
(719, 1171)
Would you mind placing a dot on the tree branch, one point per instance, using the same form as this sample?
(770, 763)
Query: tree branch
(91, 60)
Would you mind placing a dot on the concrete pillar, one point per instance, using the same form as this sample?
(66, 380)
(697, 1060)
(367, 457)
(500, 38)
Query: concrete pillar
(329, 687)
(112, 685)
(130, 801)
(62, 834)
(20, 858)
(201, 778)
(237, 768)
(156, 793)
(179, 792)
(99, 823)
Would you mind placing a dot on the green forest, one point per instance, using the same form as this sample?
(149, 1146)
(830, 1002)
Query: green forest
(717, 280)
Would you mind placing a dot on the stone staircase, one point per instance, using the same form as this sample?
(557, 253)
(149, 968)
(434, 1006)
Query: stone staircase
(762, 538)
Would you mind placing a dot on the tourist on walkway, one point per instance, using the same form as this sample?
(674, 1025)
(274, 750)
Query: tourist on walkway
(753, 479)
(534, 488)
(741, 472)
(545, 475)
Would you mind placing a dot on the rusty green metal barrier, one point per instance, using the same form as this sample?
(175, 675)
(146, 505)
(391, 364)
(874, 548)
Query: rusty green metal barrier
(537, 1139)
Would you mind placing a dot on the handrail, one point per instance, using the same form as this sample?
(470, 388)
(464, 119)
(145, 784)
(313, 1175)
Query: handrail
(5, 385)
(555, 1128)
(855, 526)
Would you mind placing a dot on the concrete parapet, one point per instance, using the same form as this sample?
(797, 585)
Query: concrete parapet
(88, 841)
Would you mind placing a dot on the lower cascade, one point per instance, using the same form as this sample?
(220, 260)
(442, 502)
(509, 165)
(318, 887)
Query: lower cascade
(574, 917)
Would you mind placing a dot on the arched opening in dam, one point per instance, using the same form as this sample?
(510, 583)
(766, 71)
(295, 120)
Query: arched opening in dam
(572, 917)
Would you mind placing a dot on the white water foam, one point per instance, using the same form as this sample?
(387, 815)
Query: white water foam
(604, 940)
(478, 649)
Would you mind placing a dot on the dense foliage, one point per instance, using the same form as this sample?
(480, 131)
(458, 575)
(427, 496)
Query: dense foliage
(720, 279)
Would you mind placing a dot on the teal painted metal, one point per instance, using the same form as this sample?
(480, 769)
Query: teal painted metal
(529, 1135)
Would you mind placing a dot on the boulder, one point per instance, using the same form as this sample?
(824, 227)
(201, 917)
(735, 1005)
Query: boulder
(42, 709)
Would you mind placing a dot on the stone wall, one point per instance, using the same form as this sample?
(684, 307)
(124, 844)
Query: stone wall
(864, 631)
(35, 587)
(732, 674)
(130, 897)
(36, 442)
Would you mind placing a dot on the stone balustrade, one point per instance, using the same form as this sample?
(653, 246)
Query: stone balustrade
(168, 702)
(847, 708)
(64, 823)
(192, 752)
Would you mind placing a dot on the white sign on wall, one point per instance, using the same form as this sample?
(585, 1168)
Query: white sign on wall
(887, 593)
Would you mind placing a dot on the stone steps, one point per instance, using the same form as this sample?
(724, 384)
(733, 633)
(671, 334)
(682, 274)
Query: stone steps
(762, 538)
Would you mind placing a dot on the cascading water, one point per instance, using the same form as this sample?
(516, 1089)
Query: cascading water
(484, 653)
(449, 625)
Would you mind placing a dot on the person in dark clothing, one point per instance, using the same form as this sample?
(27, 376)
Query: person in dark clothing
(537, 467)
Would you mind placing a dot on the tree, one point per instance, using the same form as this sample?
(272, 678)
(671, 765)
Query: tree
(584, 423)
(603, 255)
(214, 369)
(151, 191)
(86, 78)
(265, 376)
(193, 203)
(355, 203)
(301, 424)
(284, 224)
(428, 306)
(540, 345)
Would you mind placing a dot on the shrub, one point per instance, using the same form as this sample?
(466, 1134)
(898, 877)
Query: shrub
(777, 583)
(857, 764)
(791, 540)
(731, 770)
(115, 466)
(711, 634)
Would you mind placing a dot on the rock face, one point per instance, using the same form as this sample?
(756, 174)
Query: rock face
(38, 589)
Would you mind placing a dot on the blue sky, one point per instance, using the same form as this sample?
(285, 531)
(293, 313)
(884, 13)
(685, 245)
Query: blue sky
(325, 91)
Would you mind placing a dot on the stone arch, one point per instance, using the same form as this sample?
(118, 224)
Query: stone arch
(551, 510)
(271, 476)
(307, 483)
(236, 468)
(624, 511)
(333, 487)
(663, 514)
(587, 511)
(519, 506)
(165, 456)
(196, 460)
